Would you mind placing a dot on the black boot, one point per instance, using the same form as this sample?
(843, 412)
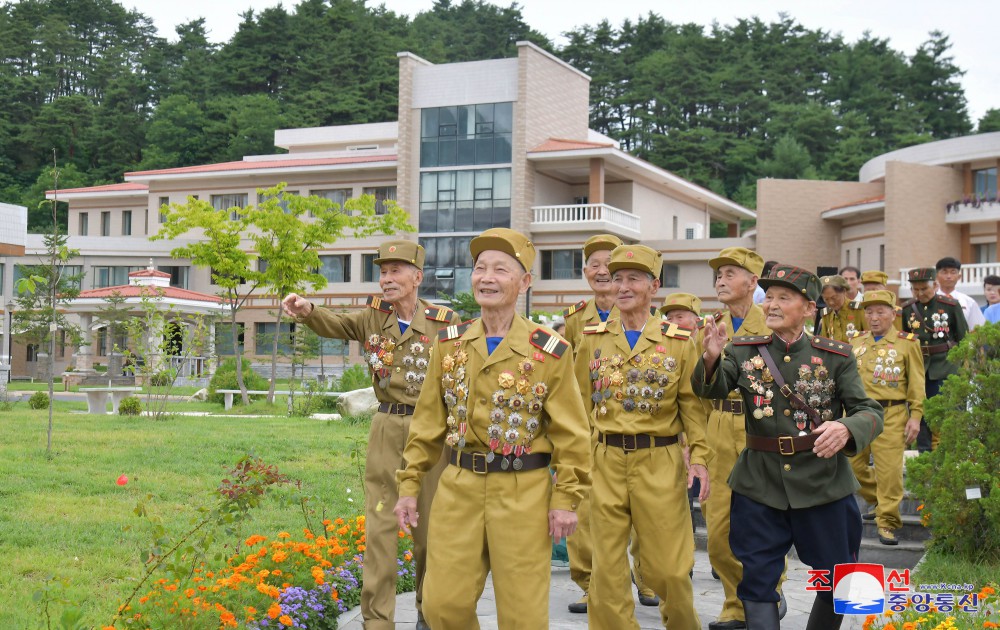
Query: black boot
(761, 615)
(822, 617)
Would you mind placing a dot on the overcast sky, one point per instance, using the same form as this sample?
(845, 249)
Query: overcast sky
(971, 24)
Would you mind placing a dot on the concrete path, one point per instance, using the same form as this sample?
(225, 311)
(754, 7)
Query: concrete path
(707, 594)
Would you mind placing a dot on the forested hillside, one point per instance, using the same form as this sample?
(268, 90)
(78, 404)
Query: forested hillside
(93, 85)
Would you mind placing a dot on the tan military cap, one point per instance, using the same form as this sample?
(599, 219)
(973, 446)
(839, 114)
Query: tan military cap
(678, 301)
(636, 257)
(879, 297)
(600, 242)
(837, 282)
(875, 277)
(507, 241)
(741, 257)
(402, 251)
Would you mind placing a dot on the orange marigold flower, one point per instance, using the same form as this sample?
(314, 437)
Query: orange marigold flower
(170, 587)
(256, 539)
(889, 627)
(987, 590)
(909, 625)
(285, 620)
(920, 507)
(334, 595)
(274, 610)
(108, 628)
(144, 599)
(343, 531)
(361, 547)
(279, 556)
(189, 593)
(990, 624)
(284, 535)
(401, 534)
(339, 521)
(228, 619)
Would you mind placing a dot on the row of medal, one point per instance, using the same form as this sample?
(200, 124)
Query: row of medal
(885, 371)
(939, 324)
(636, 389)
(380, 358)
(816, 388)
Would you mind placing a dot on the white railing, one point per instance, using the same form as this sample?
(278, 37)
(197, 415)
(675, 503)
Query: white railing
(188, 367)
(973, 211)
(970, 282)
(586, 213)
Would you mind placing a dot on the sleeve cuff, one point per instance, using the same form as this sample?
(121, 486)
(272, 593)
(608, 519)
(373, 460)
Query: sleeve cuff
(409, 488)
(563, 501)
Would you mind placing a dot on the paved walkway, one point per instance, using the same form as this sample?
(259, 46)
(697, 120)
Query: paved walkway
(707, 594)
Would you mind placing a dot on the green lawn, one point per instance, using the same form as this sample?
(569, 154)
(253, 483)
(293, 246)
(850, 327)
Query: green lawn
(66, 517)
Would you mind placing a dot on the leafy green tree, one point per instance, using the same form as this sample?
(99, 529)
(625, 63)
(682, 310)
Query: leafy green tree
(175, 135)
(935, 89)
(39, 210)
(989, 122)
(790, 160)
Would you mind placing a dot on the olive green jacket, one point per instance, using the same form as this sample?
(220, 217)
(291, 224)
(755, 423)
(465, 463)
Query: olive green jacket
(826, 372)
(950, 327)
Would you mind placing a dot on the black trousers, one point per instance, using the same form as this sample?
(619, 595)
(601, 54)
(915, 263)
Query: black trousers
(931, 388)
(760, 537)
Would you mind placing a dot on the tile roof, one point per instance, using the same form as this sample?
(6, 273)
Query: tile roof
(252, 165)
(562, 144)
(858, 202)
(127, 186)
(135, 291)
(148, 273)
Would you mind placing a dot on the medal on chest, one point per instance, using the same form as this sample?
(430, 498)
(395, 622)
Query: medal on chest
(379, 357)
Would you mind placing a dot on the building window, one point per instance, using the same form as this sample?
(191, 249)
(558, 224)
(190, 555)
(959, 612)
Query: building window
(338, 196)
(448, 267)
(178, 275)
(382, 194)
(261, 265)
(108, 276)
(335, 268)
(847, 258)
(105, 224)
(562, 264)
(859, 258)
(881, 256)
(985, 253)
(465, 135)
(126, 223)
(84, 223)
(214, 276)
(369, 270)
(670, 276)
(282, 202)
(464, 201)
(264, 337)
(227, 202)
(984, 182)
(73, 275)
(164, 201)
(224, 338)
(675, 232)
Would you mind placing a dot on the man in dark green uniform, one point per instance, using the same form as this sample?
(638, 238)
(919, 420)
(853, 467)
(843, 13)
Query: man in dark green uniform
(793, 483)
(940, 324)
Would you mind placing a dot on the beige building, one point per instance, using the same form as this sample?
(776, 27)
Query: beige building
(909, 208)
(497, 143)
(13, 231)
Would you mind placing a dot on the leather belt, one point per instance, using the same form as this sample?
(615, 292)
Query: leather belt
(476, 462)
(937, 348)
(635, 442)
(729, 406)
(785, 444)
(889, 403)
(396, 409)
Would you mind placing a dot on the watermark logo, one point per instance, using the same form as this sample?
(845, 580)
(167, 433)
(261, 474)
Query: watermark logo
(858, 589)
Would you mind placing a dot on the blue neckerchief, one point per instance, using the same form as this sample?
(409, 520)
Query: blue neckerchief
(603, 314)
(633, 337)
(402, 326)
(492, 343)
(737, 323)
(877, 339)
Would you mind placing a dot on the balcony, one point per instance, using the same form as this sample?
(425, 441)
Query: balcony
(973, 211)
(971, 282)
(590, 217)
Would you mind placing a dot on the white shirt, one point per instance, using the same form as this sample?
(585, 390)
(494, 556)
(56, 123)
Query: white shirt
(973, 314)
(758, 295)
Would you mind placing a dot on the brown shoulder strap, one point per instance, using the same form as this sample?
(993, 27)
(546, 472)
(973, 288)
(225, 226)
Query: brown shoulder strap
(797, 401)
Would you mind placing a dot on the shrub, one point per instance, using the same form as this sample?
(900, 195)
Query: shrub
(354, 377)
(39, 400)
(165, 378)
(225, 378)
(130, 406)
(965, 415)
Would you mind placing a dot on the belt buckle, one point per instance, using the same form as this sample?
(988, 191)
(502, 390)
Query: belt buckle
(625, 443)
(479, 457)
(736, 407)
(786, 439)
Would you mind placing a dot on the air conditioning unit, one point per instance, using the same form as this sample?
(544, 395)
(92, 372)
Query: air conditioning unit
(693, 231)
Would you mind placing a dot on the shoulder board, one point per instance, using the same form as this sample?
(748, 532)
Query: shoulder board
(906, 303)
(944, 299)
(908, 336)
(438, 313)
(454, 331)
(675, 332)
(757, 340)
(595, 328)
(856, 303)
(832, 345)
(548, 342)
(379, 304)
(576, 308)
(825, 311)
(653, 310)
(701, 323)
(860, 335)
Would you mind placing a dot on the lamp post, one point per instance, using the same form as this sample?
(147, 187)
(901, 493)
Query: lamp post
(8, 332)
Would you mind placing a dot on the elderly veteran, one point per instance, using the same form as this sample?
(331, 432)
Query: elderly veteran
(792, 485)
(636, 371)
(683, 309)
(892, 371)
(840, 319)
(397, 330)
(879, 281)
(500, 392)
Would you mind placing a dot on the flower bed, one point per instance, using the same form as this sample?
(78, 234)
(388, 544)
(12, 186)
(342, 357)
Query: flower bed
(928, 616)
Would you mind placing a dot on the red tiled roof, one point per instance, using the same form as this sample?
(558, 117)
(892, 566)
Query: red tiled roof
(858, 202)
(148, 273)
(561, 144)
(135, 291)
(127, 186)
(251, 165)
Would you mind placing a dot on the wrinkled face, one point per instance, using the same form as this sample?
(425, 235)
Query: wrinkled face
(835, 298)
(992, 293)
(635, 290)
(597, 274)
(924, 291)
(852, 280)
(786, 310)
(879, 318)
(733, 284)
(683, 317)
(497, 280)
(398, 280)
(948, 278)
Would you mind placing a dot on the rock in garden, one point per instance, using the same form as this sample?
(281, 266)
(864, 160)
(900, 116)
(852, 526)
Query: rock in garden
(359, 402)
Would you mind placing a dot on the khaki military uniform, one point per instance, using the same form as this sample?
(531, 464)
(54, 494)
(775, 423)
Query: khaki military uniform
(489, 407)
(892, 371)
(727, 438)
(398, 362)
(639, 397)
(844, 324)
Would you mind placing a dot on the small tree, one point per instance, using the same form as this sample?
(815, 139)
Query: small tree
(966, 417)
(463, 303)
